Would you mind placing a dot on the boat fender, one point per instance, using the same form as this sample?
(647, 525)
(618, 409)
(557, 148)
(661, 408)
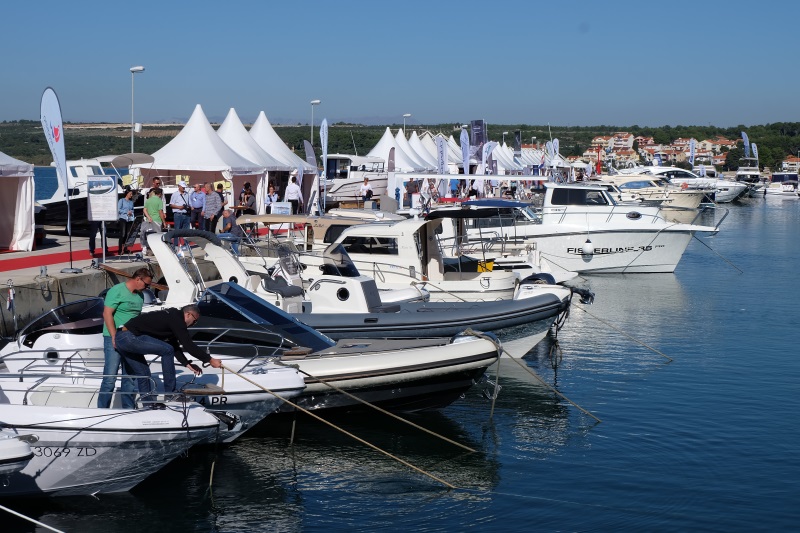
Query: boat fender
(684, 185)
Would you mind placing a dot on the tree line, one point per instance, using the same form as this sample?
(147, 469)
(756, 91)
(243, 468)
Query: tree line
(23, 139)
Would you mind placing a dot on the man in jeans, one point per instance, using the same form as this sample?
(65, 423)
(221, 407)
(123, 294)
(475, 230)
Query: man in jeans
(197, 200)
(122, 303)
(179, 202)
(211, 209)
(162, 333)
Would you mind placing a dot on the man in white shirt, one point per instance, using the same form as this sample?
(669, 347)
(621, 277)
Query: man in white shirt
(293, 194)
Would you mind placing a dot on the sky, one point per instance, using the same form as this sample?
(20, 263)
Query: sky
(565, 63)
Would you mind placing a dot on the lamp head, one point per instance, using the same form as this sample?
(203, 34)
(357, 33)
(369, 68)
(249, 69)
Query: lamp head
(134, 70)
(316, 102)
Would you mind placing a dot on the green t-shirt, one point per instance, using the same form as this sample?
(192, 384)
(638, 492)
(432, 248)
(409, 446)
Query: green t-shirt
(153, 205)
(126, 305)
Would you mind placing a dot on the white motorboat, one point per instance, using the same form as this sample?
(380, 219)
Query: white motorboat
(79, 450)
(581, 228)
(78, 179)
(345, 175)
(341, 303)
(66, 345)
(397, 255)
(782, 184)
(725, 191)
(402, 374)
(677, 203)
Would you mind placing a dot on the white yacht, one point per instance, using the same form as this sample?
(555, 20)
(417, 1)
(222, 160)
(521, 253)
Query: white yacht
(725, 191)
(782, 184)
(581, 228)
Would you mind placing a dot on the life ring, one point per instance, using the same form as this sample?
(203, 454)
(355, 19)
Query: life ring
(684, 185)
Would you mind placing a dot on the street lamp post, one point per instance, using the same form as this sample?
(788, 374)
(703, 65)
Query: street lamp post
(504, 136)
(313, 103)
(134, 70)
(533, 141)
(404, 122)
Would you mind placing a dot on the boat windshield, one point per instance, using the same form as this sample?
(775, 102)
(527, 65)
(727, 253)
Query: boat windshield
(230, 305)
(83, 316)
(336, 262)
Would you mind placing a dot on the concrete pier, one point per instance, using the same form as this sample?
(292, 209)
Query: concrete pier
(37, 291)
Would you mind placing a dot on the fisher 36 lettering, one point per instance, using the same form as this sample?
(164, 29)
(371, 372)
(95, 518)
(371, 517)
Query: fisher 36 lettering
(55, 451)
(607, 251)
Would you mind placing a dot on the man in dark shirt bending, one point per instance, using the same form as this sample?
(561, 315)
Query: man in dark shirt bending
(161, 333)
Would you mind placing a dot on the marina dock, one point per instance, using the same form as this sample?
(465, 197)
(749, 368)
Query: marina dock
(39, 285)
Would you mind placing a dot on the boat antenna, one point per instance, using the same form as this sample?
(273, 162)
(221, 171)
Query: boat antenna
(354, 142)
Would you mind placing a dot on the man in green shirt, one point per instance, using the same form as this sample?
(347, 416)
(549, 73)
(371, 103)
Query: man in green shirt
(122, 302)
(153, 216)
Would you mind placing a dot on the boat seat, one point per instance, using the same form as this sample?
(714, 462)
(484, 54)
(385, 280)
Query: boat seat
(63, 396)
(281, 287)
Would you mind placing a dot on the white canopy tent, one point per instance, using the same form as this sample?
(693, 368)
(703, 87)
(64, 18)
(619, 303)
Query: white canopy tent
(402, 143)
(233, 132)
(199, 154)
(263, 133)
(16, 204)
(402, 161)
(416, 144)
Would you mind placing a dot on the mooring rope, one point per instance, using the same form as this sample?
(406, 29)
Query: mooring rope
(334, 426)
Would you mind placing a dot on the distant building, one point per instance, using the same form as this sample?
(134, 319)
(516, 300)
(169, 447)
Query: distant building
(791, 164)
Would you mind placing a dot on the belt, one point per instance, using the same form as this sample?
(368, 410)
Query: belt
(179, 212)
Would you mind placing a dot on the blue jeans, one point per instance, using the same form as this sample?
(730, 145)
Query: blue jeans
(180, 221)
(233, 239)
(133, 348)
(113, 360)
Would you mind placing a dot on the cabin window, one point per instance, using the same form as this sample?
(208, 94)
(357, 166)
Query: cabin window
(578, 197)
(73, 171)
(370, 245)
(333, 232)
(96, 171)
(635, 185)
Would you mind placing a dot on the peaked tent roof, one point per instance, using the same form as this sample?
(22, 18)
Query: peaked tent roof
(270, 142)
(198, 147)
(233, 132)
(401, 141)
(421, 151)
(14, 167)
(429, 142)
(401, 160)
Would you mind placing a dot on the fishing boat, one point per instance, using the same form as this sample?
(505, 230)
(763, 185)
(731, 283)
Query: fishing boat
(676, 203)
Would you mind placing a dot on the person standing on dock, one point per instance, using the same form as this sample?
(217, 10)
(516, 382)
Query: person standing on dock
(293, 194)
(211, 209)
(179, 202)
(164, 333)
(124, 220)
(122, 302)
(154, 216)
(197, 200)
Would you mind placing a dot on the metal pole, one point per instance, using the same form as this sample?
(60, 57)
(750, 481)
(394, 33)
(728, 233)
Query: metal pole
(312, 124)
(132, 75)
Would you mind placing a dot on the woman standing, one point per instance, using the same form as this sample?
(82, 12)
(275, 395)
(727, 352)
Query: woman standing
(125, 219)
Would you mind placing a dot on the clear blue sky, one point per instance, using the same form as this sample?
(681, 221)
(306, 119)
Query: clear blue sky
(513, 61)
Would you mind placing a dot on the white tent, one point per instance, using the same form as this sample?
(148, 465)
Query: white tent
(401, 142)
(16, 204)
(197, 151)
(416, 144)
(271, 143)
(429, 142)
(233, 132)
(402, 162)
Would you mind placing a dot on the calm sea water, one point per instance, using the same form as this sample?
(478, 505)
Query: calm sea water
(707, 442)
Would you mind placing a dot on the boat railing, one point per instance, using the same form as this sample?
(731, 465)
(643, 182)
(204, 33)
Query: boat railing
(584, 216)
(71, 389)
(260, 354)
